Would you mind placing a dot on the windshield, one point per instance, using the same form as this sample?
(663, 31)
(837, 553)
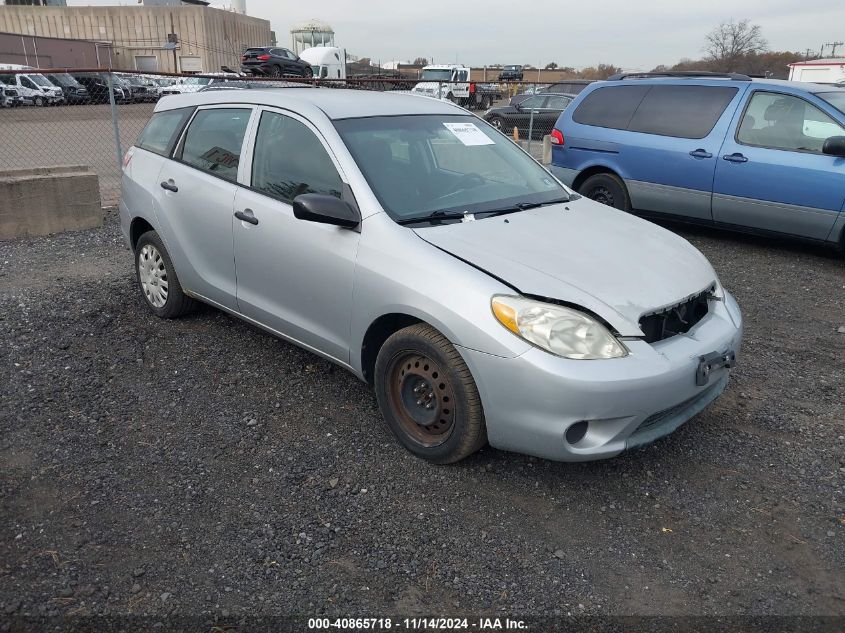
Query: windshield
(836, 99)
(63, 79)
(418, 165)
(512, 67)
(40, 80)
(436, 75)
(197, 81)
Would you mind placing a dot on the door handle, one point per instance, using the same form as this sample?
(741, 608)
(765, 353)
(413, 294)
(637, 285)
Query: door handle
(700, 153)
(169, 185)
(735, 158)
(246, 216)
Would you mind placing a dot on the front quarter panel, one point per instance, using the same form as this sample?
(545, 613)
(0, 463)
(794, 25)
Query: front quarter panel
(398, 272)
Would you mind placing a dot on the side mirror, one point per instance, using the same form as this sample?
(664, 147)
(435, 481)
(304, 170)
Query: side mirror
(317, 207)
(834, 146)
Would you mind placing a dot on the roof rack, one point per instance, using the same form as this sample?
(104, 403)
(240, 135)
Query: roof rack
(681, 73)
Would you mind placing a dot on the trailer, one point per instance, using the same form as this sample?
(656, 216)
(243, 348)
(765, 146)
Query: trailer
(452, 83)
(825, 71)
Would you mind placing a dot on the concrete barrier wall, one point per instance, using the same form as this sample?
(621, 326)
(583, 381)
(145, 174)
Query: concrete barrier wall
(48, 200)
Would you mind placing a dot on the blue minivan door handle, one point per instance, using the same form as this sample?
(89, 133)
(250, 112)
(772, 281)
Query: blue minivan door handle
(735, 158)
(701, 153)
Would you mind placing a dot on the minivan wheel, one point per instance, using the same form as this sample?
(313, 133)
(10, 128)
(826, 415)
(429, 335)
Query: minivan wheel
(428, 397)
(157, 279)
(607, 189)
(39, 102)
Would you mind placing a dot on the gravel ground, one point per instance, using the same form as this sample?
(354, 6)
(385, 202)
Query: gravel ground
(200, 466)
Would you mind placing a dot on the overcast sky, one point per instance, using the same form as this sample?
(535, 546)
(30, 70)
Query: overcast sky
(580, 33)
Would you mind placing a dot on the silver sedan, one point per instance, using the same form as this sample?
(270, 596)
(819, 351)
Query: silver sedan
(414, 245)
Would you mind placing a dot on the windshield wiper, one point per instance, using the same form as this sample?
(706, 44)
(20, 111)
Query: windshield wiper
(520, 206)
(435, 218)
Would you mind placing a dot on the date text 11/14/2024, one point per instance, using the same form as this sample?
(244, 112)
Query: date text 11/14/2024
(417, 624)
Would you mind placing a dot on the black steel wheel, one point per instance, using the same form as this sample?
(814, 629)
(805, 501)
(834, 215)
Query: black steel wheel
(607, 189)
(428, 397)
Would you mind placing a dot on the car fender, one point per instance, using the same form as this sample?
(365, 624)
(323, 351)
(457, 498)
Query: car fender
(398, 272)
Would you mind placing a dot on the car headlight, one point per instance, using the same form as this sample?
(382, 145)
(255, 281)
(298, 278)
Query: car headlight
(557, 329)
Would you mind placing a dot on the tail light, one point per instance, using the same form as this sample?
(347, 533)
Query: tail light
(264, 57)
(243, 58)
(557, 137)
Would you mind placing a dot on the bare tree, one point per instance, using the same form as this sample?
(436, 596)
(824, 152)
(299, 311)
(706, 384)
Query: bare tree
(551, 66)
(421, 61)
(731, 41)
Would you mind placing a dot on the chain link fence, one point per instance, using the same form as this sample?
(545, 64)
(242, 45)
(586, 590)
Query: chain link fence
(89, 117)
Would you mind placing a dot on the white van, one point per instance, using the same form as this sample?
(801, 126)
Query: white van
(327, 62)
(33, 88)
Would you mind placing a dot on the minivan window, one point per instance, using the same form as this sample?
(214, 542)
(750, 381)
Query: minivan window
(427, 163)
(781, 121)
(610, 107)
(160, 134)
(27, 83)
(681, 111)
(289, 160)
(214, 140)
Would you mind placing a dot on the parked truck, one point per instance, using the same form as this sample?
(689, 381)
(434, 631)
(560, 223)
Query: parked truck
(452, 82)
(327, 62)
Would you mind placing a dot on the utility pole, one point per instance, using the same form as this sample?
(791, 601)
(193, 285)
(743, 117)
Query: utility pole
(807, 54)
(834, 46)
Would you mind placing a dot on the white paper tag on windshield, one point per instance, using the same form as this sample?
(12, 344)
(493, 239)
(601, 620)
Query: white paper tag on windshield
(469, 134)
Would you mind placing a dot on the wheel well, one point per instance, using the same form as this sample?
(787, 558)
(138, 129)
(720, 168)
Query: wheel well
(591, 171)
(138, 227)
(379, 331)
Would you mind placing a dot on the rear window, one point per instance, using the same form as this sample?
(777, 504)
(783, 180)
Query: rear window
(160, 134)
(677, 111)
(610, 107)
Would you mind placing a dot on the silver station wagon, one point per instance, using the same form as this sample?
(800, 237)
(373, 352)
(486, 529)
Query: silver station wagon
(411, 243)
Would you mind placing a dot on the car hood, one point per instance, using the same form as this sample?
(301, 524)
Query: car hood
(581, 252)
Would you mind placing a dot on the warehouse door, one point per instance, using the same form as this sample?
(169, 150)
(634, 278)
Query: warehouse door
(146, 63)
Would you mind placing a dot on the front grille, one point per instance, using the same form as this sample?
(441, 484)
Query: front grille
(676, 319)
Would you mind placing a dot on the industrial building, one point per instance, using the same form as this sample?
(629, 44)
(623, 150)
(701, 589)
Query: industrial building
(163, 35)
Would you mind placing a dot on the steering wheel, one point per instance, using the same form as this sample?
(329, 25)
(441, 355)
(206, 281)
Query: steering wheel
(465, 182)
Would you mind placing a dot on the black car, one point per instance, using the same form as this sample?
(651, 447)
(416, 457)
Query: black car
(98, 88)
(569, 87)
(74, 92)
(141, 89)
(512, 72)
(547, 109)
(274, 62)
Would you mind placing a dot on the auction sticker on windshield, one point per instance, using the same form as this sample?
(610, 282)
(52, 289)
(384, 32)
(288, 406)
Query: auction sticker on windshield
(469, 134)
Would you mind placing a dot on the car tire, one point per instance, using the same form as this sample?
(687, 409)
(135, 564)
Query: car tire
(276, 71)
(157, 280)
(428, 397)
(38, 102)
(498, 123)
(607, 189)
(308, 73)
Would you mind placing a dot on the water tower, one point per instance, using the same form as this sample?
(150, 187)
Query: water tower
(311, 33)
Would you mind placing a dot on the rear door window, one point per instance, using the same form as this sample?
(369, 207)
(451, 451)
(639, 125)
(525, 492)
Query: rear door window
(557, 102)
(162, 131)
(610, 107)
(214, 140)
(681, 111)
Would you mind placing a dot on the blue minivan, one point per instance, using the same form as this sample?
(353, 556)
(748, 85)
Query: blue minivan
(749, 154)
